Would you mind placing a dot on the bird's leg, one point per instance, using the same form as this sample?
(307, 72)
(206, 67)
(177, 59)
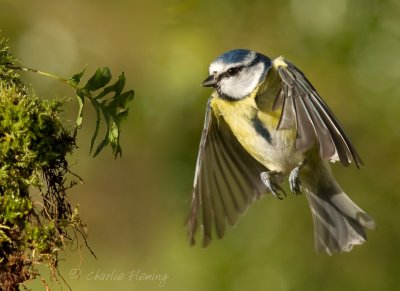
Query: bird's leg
(268, 178)
(294, 179)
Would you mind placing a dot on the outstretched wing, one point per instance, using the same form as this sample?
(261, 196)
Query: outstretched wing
(227, 180)
(304, 108)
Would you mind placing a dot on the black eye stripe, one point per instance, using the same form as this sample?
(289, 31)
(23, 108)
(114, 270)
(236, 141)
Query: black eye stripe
(232, 71)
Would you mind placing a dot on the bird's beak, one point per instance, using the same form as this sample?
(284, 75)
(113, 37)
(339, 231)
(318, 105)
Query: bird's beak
(211, 81)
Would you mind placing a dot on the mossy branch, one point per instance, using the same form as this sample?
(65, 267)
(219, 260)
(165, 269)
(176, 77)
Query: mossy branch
(34, 145)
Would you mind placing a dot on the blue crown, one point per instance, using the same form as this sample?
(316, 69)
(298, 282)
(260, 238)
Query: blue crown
(234, 56)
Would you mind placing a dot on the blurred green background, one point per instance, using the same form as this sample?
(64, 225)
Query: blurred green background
(136, 207)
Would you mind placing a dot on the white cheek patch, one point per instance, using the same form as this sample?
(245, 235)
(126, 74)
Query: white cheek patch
(244, 83)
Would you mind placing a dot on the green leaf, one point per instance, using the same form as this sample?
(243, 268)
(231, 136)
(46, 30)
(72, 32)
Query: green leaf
(81, 101)
(105, 141)
(114, 139)
(122, 100)
(99, 79)
(96, 131)
(110, 105)
(75, 79)
(101, 146)
(122, 115)
(117, 87)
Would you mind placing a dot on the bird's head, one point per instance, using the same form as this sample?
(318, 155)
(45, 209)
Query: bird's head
(236, 73)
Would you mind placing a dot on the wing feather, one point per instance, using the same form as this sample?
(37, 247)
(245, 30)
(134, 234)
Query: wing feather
(227, 180)
(223, 173)
(305, 127)
(304, 107)
(287, 119)
(328, 148)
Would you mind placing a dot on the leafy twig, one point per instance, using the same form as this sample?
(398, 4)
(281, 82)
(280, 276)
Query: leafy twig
(112, 109)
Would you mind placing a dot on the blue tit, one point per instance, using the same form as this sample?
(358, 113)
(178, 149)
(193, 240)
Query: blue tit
(264, 122)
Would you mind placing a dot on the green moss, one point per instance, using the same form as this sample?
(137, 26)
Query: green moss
(8, 76)
(31, 137)
(34, 146)
(13, 210)
(33, 150)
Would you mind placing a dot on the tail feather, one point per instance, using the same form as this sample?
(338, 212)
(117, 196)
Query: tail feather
(339, 223)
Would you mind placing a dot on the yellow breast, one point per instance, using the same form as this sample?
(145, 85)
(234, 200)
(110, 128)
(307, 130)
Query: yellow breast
(277, 153)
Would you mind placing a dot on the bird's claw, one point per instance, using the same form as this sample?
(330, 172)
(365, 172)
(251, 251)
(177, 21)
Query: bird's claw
(294, 180)
(268, 179)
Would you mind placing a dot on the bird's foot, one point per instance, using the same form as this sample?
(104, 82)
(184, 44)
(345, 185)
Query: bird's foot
(294, 180)
(268, 178)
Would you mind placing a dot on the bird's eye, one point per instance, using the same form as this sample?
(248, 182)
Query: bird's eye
(233, 71)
